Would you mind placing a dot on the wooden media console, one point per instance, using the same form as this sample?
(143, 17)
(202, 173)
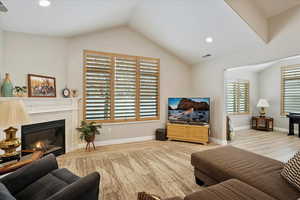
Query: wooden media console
(189, 133)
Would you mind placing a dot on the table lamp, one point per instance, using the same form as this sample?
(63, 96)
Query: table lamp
(12, 113)
(262, 104)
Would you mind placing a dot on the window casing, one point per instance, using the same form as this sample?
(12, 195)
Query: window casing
(237, 97)
(290, 89)
(120, 88)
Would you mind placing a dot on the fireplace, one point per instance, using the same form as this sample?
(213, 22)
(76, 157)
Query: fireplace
(49, 136)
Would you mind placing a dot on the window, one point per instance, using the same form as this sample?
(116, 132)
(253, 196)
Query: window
(237, 97)
(120, 87)
(290, 89)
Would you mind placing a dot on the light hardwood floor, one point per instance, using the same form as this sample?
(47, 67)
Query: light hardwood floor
(275, 145)
(163, 168)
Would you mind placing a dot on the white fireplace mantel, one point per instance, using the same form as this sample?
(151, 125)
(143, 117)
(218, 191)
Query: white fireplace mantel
(46, 105)
(50, 109)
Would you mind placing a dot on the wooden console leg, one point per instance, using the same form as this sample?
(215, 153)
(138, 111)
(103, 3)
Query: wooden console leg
(199, 182)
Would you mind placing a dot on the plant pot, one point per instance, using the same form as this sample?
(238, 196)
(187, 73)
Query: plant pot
(90, 141)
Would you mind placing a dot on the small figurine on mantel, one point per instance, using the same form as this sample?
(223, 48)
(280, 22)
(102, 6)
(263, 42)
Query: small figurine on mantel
(20, 91)
(7, 87)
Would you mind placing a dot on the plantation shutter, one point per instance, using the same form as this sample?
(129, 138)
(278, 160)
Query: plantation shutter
(97, 90)
(149, 88)
(290, 89)
(237, 97)
(231, 97)
(120, 87)
(125, 88)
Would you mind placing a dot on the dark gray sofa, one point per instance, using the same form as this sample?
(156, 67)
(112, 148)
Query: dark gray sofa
(43, 180)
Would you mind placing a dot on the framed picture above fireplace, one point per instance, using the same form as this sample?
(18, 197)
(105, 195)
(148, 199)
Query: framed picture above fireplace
(41, 86)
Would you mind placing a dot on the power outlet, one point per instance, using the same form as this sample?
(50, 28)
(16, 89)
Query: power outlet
(108, 130)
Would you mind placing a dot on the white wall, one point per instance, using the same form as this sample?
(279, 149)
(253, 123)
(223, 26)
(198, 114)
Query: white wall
(1, 55)
(31, 54)
(208, 81)
(270, 88)
(243, 121)
(62, 58)
(175, 75)
(208, 76)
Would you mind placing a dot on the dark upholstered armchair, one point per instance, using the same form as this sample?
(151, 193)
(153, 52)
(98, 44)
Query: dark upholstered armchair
(42, 180)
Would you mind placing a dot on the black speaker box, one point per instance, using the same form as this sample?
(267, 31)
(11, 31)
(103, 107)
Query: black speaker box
(161, 134)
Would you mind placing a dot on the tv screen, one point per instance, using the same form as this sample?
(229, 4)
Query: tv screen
(195, 110)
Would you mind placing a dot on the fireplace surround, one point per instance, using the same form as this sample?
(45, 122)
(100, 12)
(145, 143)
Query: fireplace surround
(49, 135)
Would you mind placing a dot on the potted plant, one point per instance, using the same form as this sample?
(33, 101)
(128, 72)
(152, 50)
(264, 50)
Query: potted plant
(88, 131)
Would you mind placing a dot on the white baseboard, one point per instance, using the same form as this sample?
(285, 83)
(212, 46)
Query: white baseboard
(218, 141)
(141, 139)
(121, 141)
(281, 129)
(241, 128)
(285, 130)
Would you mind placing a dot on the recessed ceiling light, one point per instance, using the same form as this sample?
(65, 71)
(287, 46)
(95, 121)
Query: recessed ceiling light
(45, 3)
(209, 40)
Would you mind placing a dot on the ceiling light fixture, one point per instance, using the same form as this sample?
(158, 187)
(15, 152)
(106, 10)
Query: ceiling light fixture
(45, 3)
(209, 40)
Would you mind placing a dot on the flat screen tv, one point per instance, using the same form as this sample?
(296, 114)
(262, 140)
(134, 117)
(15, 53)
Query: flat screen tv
(189, 110)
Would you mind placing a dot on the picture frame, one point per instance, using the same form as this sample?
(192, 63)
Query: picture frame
(41, 86)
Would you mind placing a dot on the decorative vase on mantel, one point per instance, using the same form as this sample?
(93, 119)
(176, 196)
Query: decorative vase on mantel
(7, 87)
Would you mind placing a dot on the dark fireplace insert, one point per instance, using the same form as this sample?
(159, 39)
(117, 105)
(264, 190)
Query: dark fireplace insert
(50, 136)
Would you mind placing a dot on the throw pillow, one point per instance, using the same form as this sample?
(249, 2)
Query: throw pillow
(145, 196)
(291, 171)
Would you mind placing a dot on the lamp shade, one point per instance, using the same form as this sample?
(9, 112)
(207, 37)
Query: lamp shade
(263, 103)
(13, 113)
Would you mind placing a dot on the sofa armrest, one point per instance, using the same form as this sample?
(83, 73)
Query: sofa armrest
(18, 180)
(86, 188)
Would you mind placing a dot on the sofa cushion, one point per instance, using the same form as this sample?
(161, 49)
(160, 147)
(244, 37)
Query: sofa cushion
(47, 185)
(5, 194)
(231, 189)
(65, 175)
(258, 171)
(17, 181)
(291, 171)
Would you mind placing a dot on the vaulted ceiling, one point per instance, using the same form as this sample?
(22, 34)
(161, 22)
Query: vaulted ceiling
(178, 26)
(272, 8)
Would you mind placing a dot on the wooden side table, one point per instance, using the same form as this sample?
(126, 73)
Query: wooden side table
(262, 123)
